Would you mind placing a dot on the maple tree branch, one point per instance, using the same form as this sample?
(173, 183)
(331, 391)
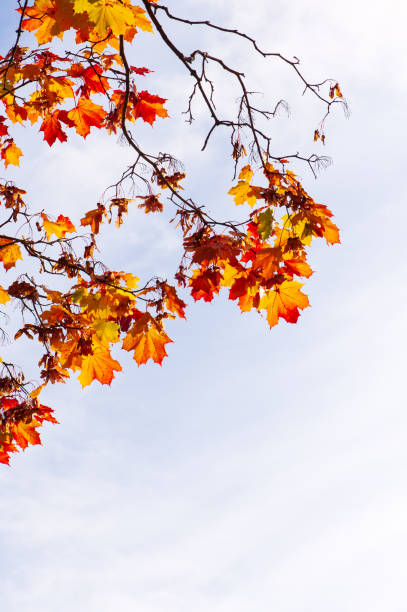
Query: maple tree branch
(204, 217)
(180, 56)
(311, 160)
(19, 32)
(293, 63)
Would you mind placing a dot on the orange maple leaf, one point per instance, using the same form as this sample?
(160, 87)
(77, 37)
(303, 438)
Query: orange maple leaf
(26, 433)
(300, 268)
(147, 340)
(330, 232)
(94, 218)
(151, 203)
(87, 114)
(269, 260)
(41, 17)
(9, 253)
(60, 227)
(284, 301)
(172, 301)
(11, 154)
(98, 366)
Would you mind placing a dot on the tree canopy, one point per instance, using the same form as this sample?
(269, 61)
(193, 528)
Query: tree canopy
(70, 301)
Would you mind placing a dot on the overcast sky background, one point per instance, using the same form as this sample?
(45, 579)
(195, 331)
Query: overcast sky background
(255, 470)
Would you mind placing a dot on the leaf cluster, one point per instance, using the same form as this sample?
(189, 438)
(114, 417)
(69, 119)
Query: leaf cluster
(260, 262)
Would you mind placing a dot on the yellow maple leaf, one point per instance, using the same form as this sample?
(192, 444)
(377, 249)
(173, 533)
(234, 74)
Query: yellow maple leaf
(106, 331)
(107, 16)
(41, 17)
(242, 192)
(60, 227)
(4, 296)
(140, 19)
(11, 154)
(131, 280)
(99, 366)
(229, 275)
(61, 86)
(9, 253)
(35, 393)
(246, 173)
(284, 301)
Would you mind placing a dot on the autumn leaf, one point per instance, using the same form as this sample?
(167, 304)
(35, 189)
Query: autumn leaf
(35, 392)
(106, 331)
(335, 90)
(94, 81)
(229, 275)
(284, 301)
(26, 433)
(131, 280)
(172, 300)
(330, 232)
(98, 366)
(213, 249)
(140, 71)
(106, 16)
(147, 341)
(141, 21)
(41, 17)
(204, 284)
(4, 296)
(249, 300)
(85, 115)
(5, 450)
(94, 218)
(60, 227)
(21, 430)
(52, 128)
(300, 268)
(240, 287)
(148, 345)
(269, 260)
(149, 107)
(265, 223)
(169, 180)
(3, 127)
(150, 203)
(9, 253)
(246, 173)
(11, 154)
(243, 192)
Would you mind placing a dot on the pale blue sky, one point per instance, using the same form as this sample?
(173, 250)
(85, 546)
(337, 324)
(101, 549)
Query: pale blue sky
(255, 470)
